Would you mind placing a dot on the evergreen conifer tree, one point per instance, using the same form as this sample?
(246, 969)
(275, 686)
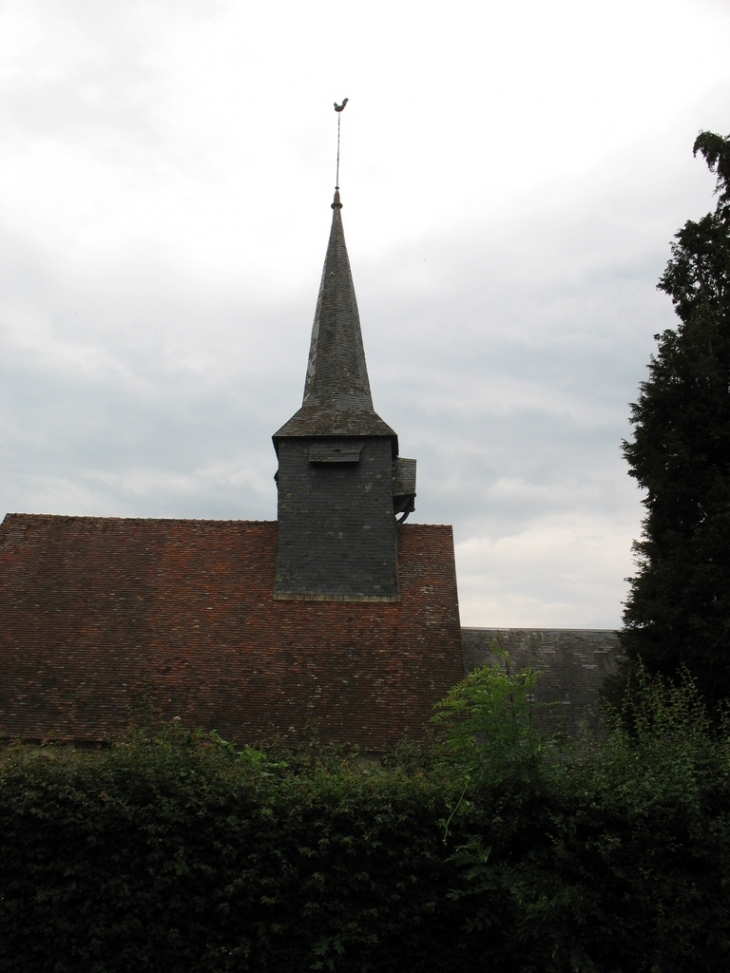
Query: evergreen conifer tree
(677, 614)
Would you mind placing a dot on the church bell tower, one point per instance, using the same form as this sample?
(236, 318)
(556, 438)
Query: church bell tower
(341, 482)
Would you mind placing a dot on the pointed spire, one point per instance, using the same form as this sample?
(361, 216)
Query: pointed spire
(337, 375)
(337, 398)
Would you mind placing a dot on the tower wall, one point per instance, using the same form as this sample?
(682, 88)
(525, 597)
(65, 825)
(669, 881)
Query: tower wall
(337, 531)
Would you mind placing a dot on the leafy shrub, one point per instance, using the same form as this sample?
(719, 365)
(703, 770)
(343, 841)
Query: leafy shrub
(612, 859)
(495, 849)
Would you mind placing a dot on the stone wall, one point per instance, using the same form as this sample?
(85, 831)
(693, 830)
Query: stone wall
(572, 663)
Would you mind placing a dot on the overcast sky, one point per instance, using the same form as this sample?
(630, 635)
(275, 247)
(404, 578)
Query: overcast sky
(512, 175)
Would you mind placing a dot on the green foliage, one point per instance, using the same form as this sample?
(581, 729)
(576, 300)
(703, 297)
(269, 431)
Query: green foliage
(618, 861)
(487, 727)
(678, 611)
(175, 851)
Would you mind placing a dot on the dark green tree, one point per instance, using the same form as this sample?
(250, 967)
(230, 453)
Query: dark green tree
(677, 614)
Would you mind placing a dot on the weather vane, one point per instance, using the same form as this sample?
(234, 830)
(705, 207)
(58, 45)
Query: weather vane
(339, 109)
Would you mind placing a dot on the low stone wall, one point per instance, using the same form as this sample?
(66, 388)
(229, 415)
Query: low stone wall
(572, 663)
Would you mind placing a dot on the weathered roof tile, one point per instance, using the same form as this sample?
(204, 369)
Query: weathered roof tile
(97, 614)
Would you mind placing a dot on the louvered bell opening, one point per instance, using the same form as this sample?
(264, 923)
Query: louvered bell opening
(334, 452)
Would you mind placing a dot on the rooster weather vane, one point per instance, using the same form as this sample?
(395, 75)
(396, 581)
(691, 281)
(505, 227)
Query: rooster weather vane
(339, 109)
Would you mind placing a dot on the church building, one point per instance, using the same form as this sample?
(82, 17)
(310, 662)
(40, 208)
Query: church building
(339, 618)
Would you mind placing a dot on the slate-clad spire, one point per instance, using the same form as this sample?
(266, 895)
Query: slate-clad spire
(336, 371)
(337, 399)
(340, 480)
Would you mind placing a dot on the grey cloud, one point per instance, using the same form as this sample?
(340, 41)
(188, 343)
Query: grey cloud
(507, 371)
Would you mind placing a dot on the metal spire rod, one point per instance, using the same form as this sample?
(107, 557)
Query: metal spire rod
(337, 177)
(339, 109)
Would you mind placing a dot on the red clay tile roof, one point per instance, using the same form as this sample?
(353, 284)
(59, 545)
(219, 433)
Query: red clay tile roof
(96, 612)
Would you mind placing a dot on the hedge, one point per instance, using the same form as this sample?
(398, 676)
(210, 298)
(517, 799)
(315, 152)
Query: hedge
(179, 854)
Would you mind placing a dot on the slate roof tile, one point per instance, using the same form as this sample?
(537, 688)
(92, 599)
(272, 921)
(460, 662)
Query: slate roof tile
(337, 398)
